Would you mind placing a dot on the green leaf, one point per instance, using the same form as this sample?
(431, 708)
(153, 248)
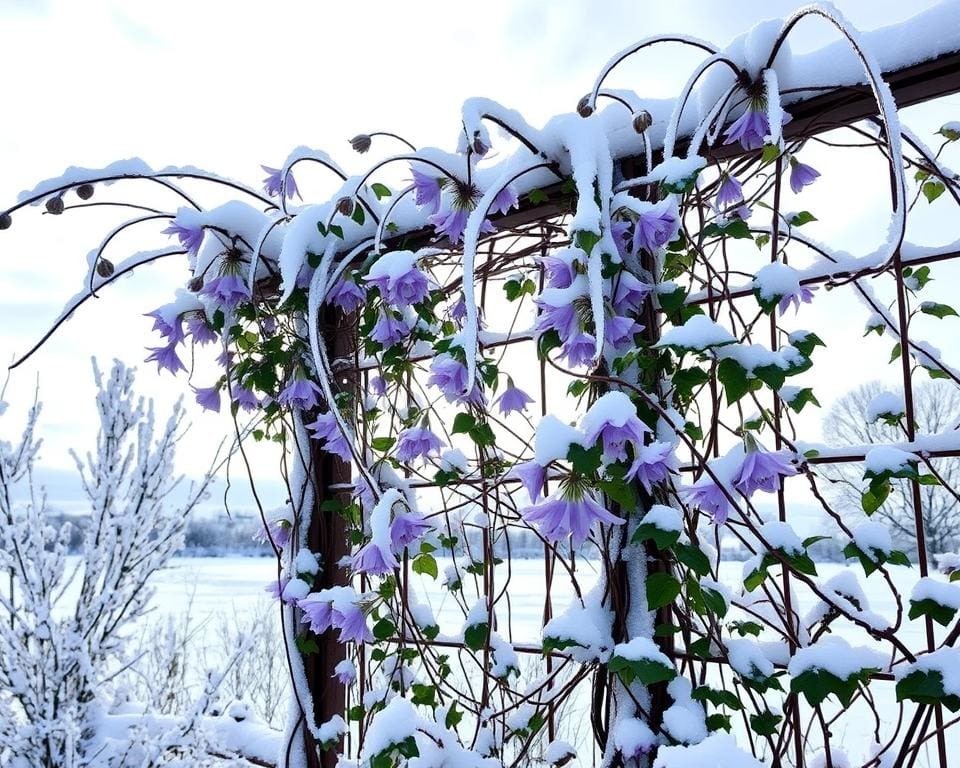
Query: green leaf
(585, 461)
(817, 684)
(427, 564)
(735, 228)
(733, 377)
(648, 531)
(662, 589)
(586, 240)
(382, 444)
(932, 190)
(307, 644)
(937, 310)
(336, 230)
(646, 671)
(692, 557)
(772, 375)
(718, 721)
(380, 190)
(770, 153)
(802, 398)
(475, 637)
(483, 435)
(358, 215)
(926, 687)
(765, 724)
(686, 379)
(799, 219)
(463, 423)
(546, 342)
(671, 302)
(717, 697)
(384, 629)
(537, 196)
(942, 614)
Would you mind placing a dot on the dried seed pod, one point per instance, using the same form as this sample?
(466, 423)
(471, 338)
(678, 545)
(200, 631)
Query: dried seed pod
(195, 285)
(55, 205)
(85, 191)
(361, 143)
(479, 147)
(345, 206)
(104, 267)
(583, 107)
(5, 220)
(641, 121)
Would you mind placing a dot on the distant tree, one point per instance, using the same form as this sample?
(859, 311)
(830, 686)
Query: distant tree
(937, 408)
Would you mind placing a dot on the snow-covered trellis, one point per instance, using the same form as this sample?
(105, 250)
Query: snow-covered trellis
(583, 350)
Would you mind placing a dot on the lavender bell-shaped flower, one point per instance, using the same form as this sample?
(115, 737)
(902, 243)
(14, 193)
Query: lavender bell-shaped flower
(326, 429)
(273, 183)
(208, 397)
(730, 192)
(801, 175)
(572, 512)
(426, 190)
(613, 420)
(652, 464)
(191, 238)
(513, 399)
(656, 225)
(417, 443)
(763, 470)
(166, 358)
(300, 393)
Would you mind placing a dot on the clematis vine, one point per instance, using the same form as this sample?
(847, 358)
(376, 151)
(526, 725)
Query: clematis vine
(571, 512)
(326, 429)
(337, 608)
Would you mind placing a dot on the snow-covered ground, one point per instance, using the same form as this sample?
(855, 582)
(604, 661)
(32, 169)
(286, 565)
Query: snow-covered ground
(234, 586)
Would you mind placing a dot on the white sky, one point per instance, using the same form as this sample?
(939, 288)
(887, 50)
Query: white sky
(229, 85)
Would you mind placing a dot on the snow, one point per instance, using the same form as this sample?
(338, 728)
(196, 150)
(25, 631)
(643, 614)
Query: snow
(946, 661)
(332, 729)
(885, 458)
(835, 655)
(674, 170)
(553, 440)
(557, 751)
(940, 592)
(780, 535)
(776, 280)
(718, 750)
(698, 333)
(872, 537)
(747, 659)
(642, 648)
(614, 408)
(587, 624)
(391, 725)
(885, 404)
(632, 736)
(663, 518)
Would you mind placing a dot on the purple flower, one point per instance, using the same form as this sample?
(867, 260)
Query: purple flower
(750, 129)
(201, 332)
(400, 282)
(505, 199)
(619, 330)
(325, 428)
(557, 271)
(630, 294)
(742, 212)
(513, 399)
(563, 319)
(272, 184)
(336, 607)
(226, 290)
(452, 222)
(571, 513)
(347, 295)
(276, 586)
(166, 358)
(377, 386)
(417, 443)
(278, 531)
(804, 294)
(374, 560)
(651, 464)
(345, 672)
(449, 375)
(579, 350)
(613, 420)
(532, 476)
(388, 330)
(763, 471)
(208, 397)
(730, 193)
(406, 528)
(190, 237)
(709, 497)
(801, 175)
(172, 332)
(245, 398)
(656, 225)
(458, 310)
(618, 231)
(300, 393)
(426, 190)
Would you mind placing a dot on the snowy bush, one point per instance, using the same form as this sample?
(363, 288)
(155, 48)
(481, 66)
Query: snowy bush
(644, 255)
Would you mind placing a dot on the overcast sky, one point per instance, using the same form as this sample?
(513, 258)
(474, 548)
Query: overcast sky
(230, 85)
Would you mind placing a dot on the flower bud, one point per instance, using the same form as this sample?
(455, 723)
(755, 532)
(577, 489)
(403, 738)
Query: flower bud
(583, 107)
(5, 220)
(55, 205)
(642, 121)
(479, 147)
(345, 206)
(361, 143)
(85, 191)
(195, 284)
(104, 267)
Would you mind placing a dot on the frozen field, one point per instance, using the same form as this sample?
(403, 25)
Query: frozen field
(234, 586)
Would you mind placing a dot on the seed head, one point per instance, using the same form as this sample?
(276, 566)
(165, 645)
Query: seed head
(642, 121)
(104, 267)
(85, 191)
(361, 143)
(583, 107)
(5, 220)
(55, 205)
